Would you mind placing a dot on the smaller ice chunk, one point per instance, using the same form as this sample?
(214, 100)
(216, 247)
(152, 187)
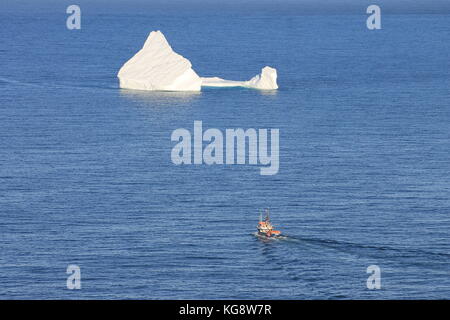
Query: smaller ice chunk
(267, 80)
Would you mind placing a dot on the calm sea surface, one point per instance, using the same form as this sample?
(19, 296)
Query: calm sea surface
(86, 176)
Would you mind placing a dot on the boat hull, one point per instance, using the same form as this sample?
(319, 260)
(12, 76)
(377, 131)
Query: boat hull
(265, 235)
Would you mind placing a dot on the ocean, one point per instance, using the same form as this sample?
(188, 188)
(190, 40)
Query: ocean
(86, 176)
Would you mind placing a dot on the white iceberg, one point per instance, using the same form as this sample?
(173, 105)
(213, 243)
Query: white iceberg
(157, 67)
(267, 80)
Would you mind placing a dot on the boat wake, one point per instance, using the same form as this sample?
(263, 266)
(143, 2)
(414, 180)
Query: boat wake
(413, 256)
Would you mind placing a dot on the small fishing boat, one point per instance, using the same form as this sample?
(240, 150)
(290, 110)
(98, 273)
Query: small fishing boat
(265, 227)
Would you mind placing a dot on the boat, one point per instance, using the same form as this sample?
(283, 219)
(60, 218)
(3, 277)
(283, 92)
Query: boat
(265, 227)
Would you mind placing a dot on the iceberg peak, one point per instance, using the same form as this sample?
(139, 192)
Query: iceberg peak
(156, 38)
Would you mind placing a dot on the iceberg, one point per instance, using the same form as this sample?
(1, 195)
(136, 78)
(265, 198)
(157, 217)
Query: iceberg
(267, 80)
(157, 67)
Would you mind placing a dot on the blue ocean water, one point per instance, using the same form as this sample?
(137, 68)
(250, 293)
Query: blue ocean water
(86, 176)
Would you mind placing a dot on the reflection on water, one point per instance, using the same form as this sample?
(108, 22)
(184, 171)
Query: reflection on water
(160, 98)
(166, 98)
(268, 92)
